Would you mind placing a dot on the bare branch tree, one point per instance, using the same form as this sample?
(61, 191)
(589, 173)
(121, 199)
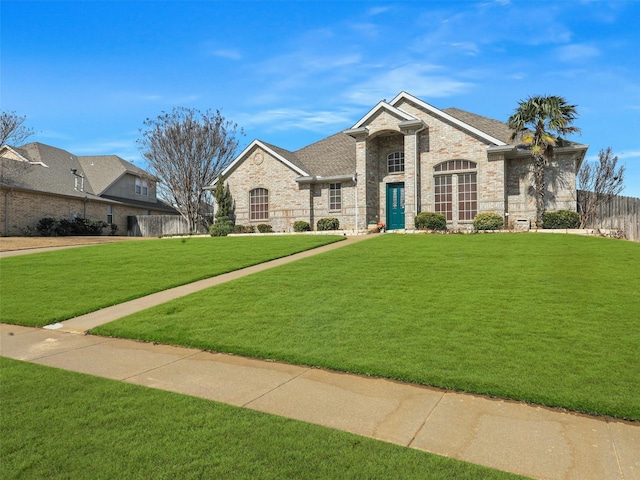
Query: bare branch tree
(187, 150)
(12, 129)
(600, 180)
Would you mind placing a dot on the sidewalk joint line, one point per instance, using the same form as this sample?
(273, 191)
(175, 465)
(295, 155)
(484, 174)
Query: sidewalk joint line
(415, 435)
(615, 449)
(275, 388)
(163, 365)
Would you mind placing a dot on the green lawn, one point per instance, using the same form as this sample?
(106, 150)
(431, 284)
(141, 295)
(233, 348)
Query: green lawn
(549, 319)
(59, 424)
(40, 289)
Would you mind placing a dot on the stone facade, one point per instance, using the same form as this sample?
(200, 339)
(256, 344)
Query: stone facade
(468, 157)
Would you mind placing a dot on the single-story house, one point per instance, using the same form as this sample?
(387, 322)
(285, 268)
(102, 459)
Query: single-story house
(38, 181)
(401, 158)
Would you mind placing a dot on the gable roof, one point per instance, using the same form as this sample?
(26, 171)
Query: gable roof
(105, 170)
(43, 168)
(46, 169)
(335, 155)
(383, 105)
(447, 116)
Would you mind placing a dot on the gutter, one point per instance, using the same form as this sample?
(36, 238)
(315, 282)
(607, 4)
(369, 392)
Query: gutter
(320, 179)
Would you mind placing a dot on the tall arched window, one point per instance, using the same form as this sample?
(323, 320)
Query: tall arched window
(259, 204)
(456, 179)
(395, 162)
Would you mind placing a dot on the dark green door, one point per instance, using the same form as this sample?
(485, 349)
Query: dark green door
(395, 206)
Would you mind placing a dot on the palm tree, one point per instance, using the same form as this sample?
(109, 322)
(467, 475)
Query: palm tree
(540, 120)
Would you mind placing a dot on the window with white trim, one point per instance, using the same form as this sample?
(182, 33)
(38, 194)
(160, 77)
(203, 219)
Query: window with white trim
(395, 162)
(259, 204)
(109, 214)
(335, 196)
(459, 184)
(142, 187)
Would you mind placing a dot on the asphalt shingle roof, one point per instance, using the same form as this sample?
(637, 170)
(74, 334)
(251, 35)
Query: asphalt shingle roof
(495, 128)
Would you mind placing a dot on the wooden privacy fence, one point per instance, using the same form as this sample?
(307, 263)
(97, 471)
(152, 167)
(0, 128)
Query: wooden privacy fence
(156, 225)
(616, 213)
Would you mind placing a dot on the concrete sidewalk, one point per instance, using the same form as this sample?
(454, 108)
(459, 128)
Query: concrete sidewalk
(533, 441)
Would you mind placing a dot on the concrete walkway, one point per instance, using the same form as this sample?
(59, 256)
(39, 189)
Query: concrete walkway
(533, 441)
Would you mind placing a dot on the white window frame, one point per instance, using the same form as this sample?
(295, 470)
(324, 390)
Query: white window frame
(335, 197)
(258, 197)
(395, 162)
(109, 214)
(142, 187)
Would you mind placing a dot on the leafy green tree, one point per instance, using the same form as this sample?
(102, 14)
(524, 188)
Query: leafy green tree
(540, 121)
(223, 199)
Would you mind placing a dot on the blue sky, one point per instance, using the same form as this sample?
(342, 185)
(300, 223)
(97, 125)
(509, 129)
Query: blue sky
(87, 74)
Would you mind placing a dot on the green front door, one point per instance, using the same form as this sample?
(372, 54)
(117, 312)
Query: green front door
(395, 206)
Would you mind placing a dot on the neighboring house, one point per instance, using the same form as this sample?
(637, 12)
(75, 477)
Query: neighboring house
(402, 158)
(38, 181)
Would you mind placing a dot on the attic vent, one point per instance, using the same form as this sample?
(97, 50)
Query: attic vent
(79, 180)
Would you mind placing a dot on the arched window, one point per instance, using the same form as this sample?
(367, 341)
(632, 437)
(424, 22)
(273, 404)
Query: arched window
(259, 204)
(395, 162)
(462, 185)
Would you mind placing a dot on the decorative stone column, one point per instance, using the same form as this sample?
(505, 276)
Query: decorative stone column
(361, 195)
(411, 129)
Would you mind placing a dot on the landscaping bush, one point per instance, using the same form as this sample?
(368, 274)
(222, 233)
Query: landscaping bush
(431, 221)
(301, 226)
(488, 221)
(46, 226)
(243, 229)
(561, 219)
(329, 223)
(222, 227)
(78, 226)
(265, 228)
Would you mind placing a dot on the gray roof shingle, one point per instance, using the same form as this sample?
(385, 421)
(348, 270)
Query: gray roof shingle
(495, 128)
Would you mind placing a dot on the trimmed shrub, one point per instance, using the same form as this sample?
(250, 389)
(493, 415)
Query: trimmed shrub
(222, 227)
(265, 228)
(488, 221)
(243, 229)
(46, 226)
(301, 226)
(431, 221)
(78, 226)
(561, 219)
(329, 223)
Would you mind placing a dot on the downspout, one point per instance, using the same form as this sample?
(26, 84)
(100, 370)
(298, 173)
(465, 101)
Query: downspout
(415, 173)
(355, 184)
(84, 208)
(6, 213)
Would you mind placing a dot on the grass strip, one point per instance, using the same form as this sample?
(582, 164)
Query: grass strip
(547, 319)
(59, 424)
(40, 289)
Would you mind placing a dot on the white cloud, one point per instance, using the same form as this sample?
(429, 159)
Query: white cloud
(227, 53)
(286, 119)
(420, 80)
(577, 52)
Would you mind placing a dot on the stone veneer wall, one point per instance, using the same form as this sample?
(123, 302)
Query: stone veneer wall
(288, 200)
(560, 194)
(443, 141)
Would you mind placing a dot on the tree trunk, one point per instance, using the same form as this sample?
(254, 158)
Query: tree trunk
(539, 187)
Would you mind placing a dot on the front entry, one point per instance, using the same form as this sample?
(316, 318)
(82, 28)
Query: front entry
(395, 206)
